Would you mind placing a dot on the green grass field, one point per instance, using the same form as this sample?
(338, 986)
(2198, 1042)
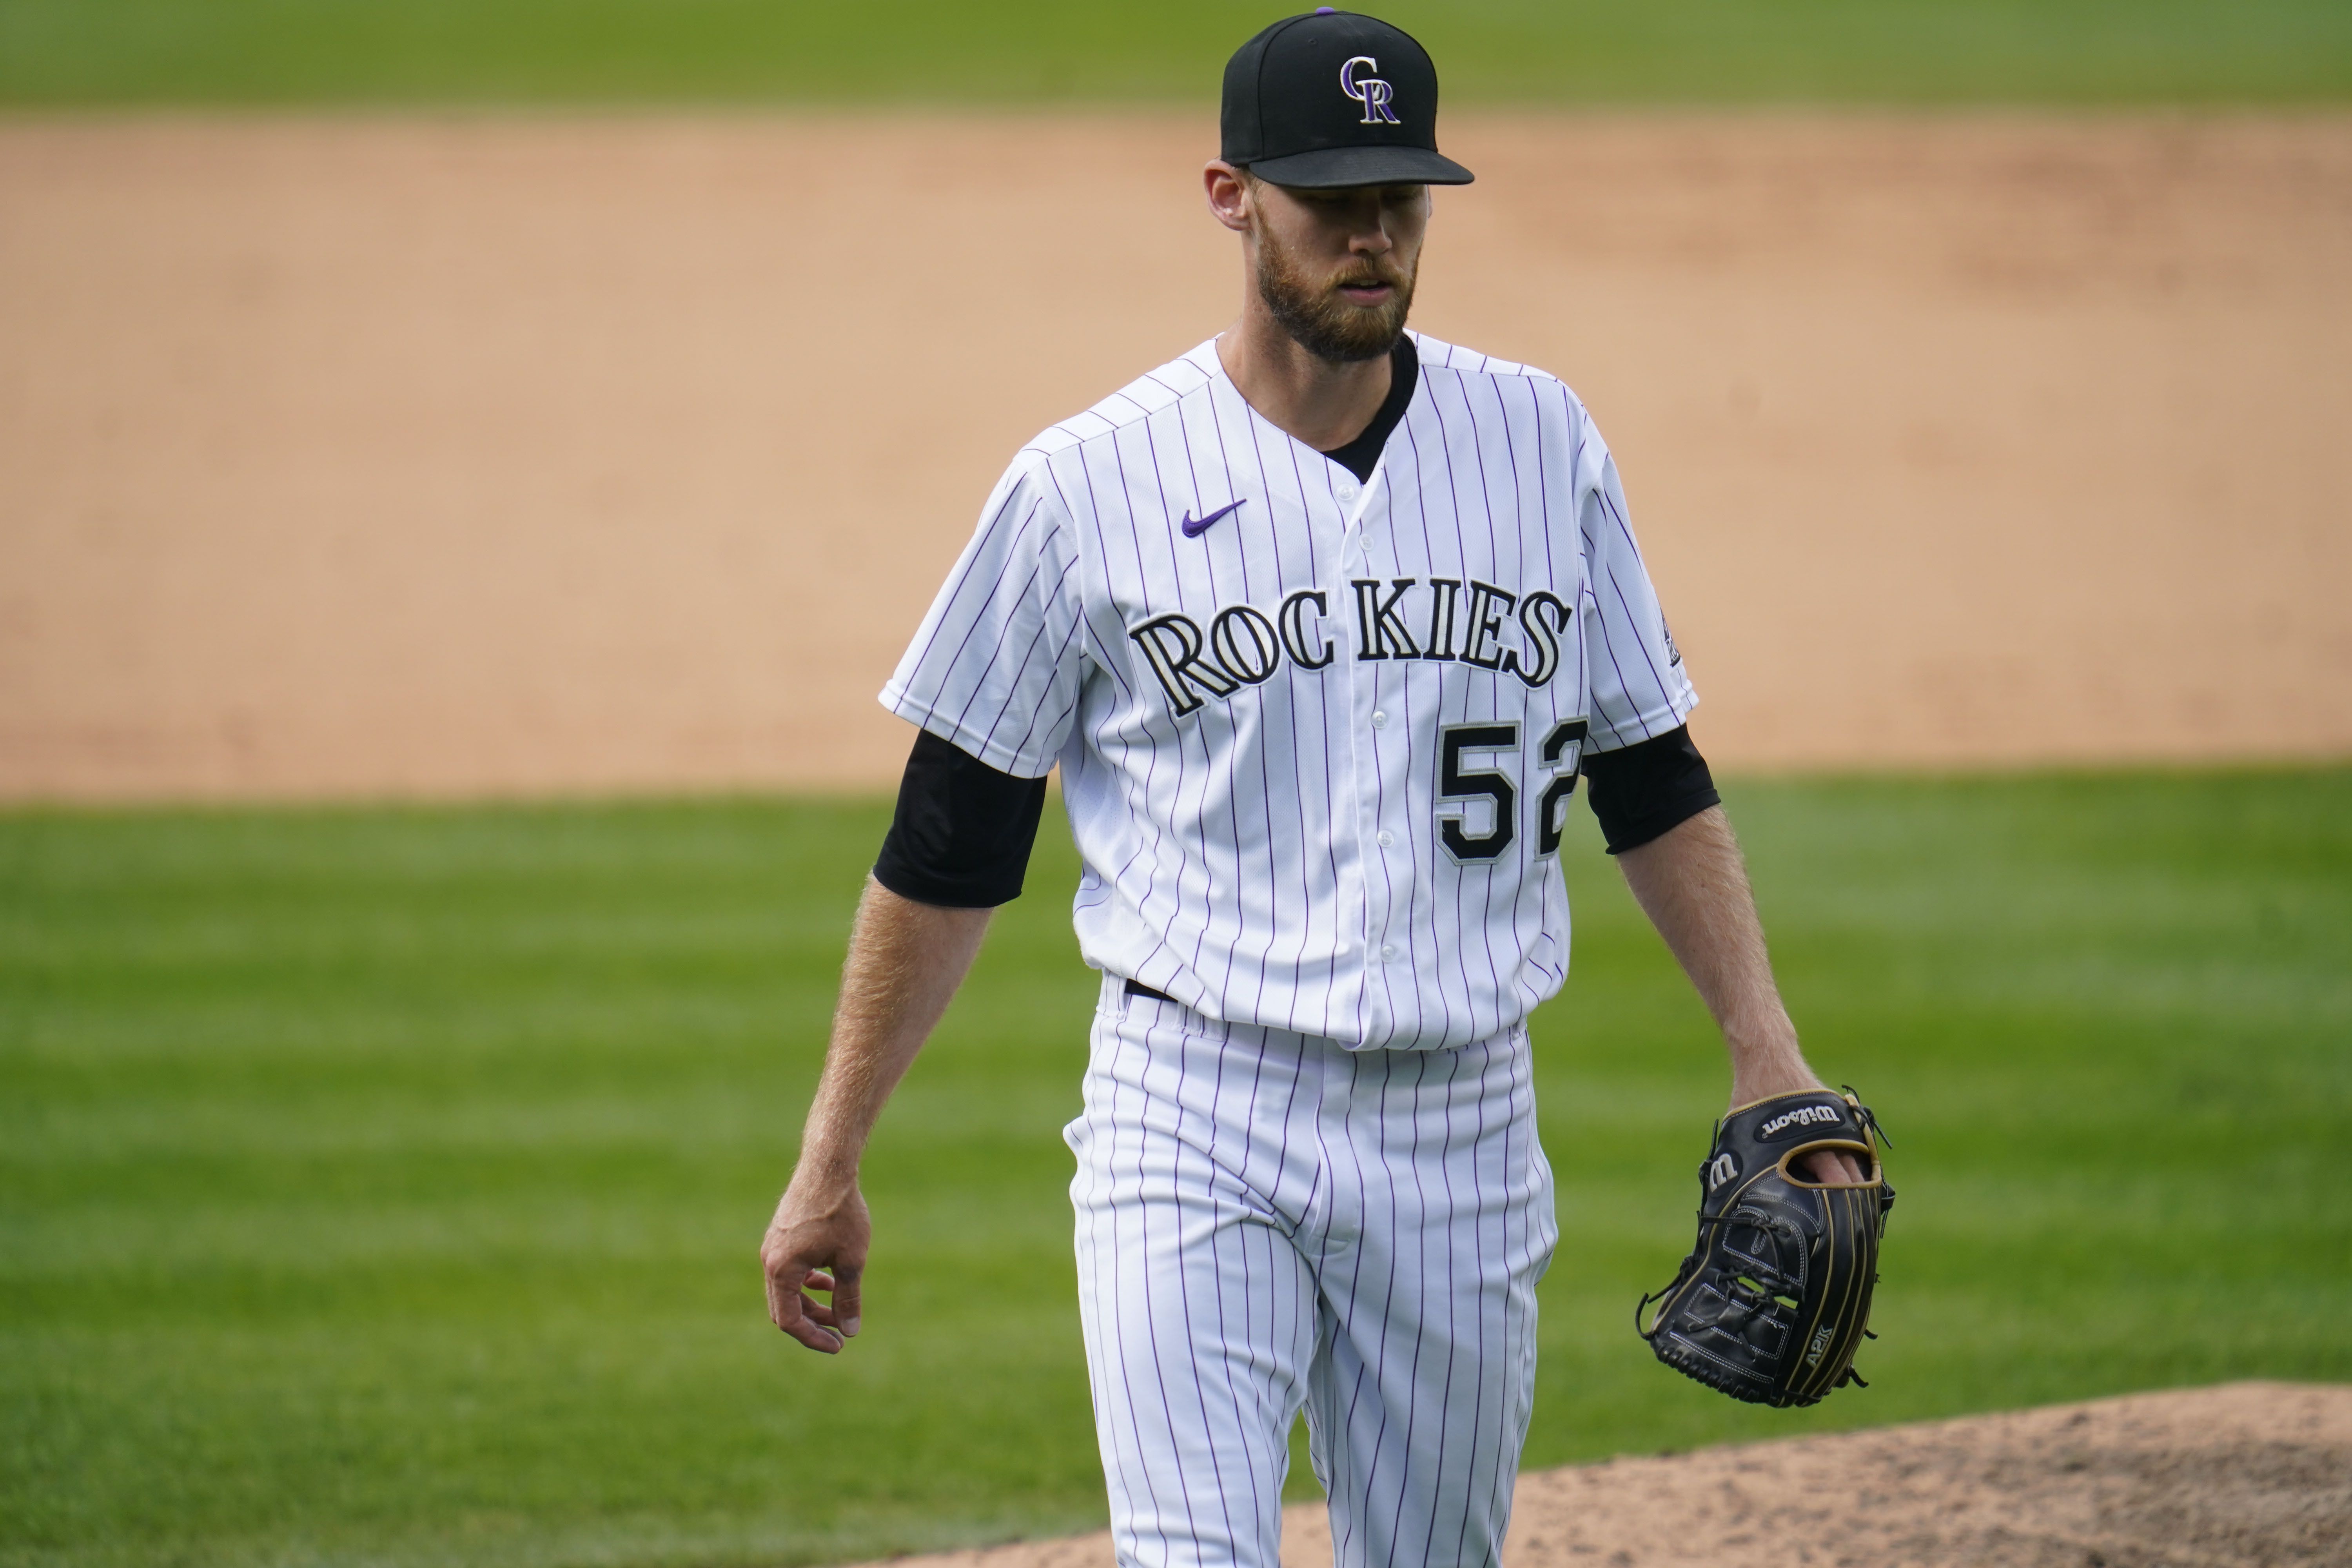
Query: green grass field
(381, 1186)
(1115, 52)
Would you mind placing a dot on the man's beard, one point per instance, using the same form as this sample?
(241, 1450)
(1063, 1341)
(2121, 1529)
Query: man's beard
(1323, 320)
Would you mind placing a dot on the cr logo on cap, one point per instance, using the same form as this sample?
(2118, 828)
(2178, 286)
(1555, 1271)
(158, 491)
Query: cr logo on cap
(1369, 90)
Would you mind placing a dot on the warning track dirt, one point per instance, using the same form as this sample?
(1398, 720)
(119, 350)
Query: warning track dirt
(504, 456)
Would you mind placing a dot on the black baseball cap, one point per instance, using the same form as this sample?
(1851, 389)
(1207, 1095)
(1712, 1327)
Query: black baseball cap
(1335, 99)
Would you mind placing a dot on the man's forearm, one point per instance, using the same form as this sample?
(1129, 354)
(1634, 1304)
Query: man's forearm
(906, 961)
(1692, 884)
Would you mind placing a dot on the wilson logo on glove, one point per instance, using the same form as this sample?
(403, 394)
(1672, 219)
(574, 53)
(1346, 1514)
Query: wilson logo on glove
(1803, 1116)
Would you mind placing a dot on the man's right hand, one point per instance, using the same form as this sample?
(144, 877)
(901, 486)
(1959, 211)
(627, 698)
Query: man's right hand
(906, 959)
(817, 1246)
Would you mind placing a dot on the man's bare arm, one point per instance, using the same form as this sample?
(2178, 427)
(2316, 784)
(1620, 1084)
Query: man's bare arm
(905, 962)
(1692, 884)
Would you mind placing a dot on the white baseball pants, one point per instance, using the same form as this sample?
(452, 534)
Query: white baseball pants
(1267, 1220)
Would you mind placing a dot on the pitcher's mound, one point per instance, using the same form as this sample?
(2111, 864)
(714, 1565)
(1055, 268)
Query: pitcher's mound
(2247, 1475)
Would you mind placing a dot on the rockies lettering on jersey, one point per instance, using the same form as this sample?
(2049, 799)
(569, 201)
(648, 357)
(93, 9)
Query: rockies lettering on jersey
(1316, 737)
(1175, 649)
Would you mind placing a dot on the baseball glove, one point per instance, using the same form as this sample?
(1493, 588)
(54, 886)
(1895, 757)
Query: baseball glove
(1774, 1301)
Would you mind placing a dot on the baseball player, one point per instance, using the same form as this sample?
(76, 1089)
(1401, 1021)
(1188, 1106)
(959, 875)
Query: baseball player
(1322, 622)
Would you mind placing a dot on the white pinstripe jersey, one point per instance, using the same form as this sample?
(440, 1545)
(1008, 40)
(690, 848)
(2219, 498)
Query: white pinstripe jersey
(1316, 754)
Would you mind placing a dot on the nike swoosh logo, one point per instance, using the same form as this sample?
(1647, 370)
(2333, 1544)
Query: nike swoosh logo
(1195, 527)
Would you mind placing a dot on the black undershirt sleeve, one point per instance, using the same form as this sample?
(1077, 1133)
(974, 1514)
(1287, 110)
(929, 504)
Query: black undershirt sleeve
(961, 836)
(1640, 791)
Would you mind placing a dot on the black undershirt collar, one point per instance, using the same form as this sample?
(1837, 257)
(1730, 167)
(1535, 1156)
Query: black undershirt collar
(1359, 456)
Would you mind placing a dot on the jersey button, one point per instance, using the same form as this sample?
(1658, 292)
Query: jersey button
(1379, 719)
(1388, 840)
(1387, 951)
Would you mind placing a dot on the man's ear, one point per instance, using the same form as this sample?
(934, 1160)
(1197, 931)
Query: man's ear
(1229, 193)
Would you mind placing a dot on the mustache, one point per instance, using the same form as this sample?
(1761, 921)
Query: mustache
(1369, 274)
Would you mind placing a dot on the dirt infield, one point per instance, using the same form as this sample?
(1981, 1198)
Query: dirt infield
(2249, 1475)
(498, 456)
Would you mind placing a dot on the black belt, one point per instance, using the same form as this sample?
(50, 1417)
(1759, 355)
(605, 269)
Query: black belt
(1138, 988)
